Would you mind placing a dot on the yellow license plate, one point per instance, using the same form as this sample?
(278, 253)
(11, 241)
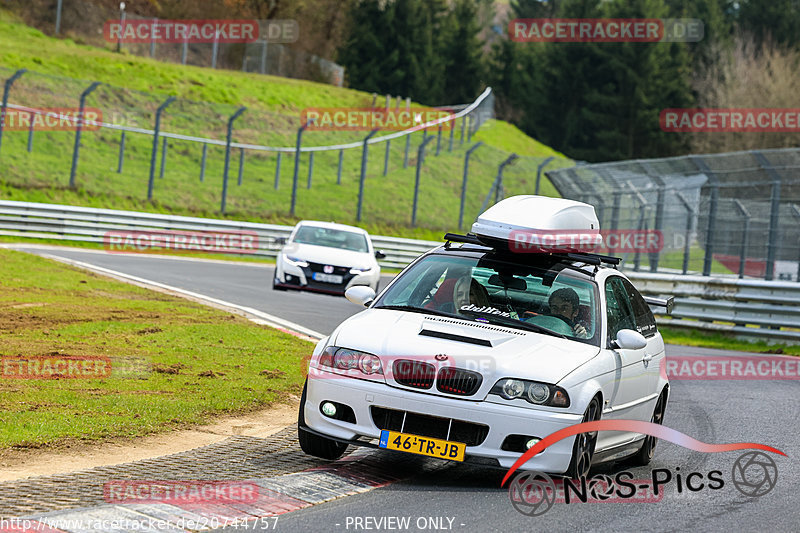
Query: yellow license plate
(443, 449)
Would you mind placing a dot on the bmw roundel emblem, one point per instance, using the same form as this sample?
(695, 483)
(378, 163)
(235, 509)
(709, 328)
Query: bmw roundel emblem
(441, 357)
(328, 269)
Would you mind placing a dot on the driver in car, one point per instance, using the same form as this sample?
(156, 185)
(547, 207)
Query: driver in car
(564, 304)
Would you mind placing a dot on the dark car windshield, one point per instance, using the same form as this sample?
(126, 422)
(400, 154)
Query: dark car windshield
(332, 238)
(550, 299)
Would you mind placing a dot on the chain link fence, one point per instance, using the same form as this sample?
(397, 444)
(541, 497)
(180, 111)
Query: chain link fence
(723, 213)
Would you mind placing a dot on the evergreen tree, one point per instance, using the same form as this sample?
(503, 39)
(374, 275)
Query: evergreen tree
(462, 53)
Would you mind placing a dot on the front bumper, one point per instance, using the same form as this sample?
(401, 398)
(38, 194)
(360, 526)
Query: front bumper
(291, 276)
(501, 420)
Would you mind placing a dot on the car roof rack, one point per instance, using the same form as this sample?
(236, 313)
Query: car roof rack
(584, 257)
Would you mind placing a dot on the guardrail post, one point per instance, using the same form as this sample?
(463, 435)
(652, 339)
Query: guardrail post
(9, 82)
(339, 169)
(300, 131)
(464, 182)
(154, 152)
(405, 156)
(30, 131)
(78, 128)
(363, 176)
(241, 166)
(439, 140)
(203, 162)
(420, 158)
(386, 157)
(121, 159)
(310, 168)
(278, 169)
(228, 138)
(775, 204)
(712, 212)
(163, 156)
(539, 173)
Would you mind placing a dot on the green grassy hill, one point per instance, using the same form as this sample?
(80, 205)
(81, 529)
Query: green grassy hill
(133, 87)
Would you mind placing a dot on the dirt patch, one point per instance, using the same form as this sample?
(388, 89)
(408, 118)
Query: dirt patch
(19, 464)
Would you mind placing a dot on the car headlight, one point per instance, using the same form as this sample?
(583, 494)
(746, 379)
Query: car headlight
(360, 270)
(295, 261)
(533, 391)
(346, 359)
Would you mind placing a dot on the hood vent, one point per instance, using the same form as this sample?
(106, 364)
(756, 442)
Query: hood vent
(472, 324)
(454, 337)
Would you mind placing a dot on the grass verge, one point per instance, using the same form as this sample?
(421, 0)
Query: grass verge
(173, 362)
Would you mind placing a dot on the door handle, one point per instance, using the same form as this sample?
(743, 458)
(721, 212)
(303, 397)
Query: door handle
(648, 357)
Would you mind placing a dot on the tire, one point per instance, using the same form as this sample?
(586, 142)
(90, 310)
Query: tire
(583, 449)
(645, 453)
(314, 444)
(276, 287)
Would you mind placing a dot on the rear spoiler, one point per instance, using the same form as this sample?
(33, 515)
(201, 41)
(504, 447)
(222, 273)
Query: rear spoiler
(668, 303)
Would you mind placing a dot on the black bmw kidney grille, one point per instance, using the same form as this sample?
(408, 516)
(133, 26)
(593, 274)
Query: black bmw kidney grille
(458, 381)
(414, 373)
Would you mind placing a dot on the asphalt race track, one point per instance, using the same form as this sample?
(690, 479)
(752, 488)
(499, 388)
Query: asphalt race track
(469, 498)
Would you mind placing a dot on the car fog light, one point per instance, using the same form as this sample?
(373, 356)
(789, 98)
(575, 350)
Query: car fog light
(513, 388)
(531, 443)
(328, 409)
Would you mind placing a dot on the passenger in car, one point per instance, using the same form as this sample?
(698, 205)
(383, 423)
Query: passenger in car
(565, 304)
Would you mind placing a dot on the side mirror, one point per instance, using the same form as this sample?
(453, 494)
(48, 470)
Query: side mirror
(379, 254)
(628, 339)
(361, 295)
(281, 240)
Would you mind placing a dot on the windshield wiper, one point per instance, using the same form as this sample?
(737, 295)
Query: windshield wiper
(417, 310)
(515, 323)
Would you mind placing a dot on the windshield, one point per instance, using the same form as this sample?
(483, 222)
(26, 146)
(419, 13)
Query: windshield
(550, 300)
(332, 238)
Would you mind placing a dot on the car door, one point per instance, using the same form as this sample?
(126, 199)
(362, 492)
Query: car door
(646, 325)
(632, 388)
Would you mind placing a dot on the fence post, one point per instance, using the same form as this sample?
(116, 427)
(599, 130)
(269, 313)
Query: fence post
(386, 157)
(420, 157)
(228, 156)
(297, 164)
(9, 82)
(775, 199)
(439, 140)
(152, 38)
(405, 156)
(30, 132)
(203, 162)
(278, 169)
(497, 186)
(310, 168)
(796, 213)
(743, 246)
(464, 182)
(241, 166)
(463, 127)
(339, 169)
(470, 122)
(163, 156)
(78, 128)
(539, 173)
(214, 50)
(121, 160)
(154, 153)
(264, 57)
(58, 16)
(452, 132)
(687, 245)
(712, 212)
(363, 175)
(184, 51)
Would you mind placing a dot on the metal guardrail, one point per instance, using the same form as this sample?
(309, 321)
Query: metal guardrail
(750, 309)
(87, 224)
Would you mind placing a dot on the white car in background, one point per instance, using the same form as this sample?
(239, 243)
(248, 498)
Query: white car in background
(477, 352)
(327, 257)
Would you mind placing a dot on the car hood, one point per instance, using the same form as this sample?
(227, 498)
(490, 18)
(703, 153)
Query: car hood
(494, 351)
(329, 256)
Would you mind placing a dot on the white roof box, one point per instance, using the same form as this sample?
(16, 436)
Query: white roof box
(543, 224)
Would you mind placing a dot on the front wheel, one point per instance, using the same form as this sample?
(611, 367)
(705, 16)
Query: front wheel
(275, 286)
(583, 449)
(646, 452)
(314, 444)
